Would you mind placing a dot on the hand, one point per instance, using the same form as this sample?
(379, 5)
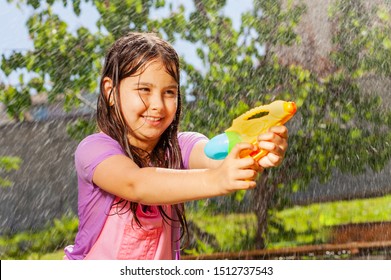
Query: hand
(236, 173)
(275, 141)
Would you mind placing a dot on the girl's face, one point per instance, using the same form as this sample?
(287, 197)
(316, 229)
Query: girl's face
(148, 103)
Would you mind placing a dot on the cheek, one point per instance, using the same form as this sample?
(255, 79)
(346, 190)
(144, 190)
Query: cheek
(175, 106)
(132, 103)
(176, 101)
(171, 109)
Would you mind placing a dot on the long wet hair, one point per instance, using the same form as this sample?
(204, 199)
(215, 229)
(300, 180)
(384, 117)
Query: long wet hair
(127, 57)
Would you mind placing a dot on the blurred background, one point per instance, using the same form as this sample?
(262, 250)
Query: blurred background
(330, 199)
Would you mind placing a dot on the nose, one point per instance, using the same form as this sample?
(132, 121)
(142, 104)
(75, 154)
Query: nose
(156, 101)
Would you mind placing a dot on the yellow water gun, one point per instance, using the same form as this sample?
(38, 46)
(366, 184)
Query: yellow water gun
(248, 126)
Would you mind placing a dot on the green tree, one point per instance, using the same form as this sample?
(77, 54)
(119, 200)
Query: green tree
(337, 126)
(7, 164)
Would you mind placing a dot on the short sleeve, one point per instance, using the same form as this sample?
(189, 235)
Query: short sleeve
(187, 140)
(92, 151)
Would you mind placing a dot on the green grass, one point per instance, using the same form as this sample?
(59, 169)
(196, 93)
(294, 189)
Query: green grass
(33, 245)
(335, 213)
(58, 255)
(301, 224)
(235, 232)
(311, 224)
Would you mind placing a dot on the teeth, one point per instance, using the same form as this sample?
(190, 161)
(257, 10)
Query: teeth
(153, 119)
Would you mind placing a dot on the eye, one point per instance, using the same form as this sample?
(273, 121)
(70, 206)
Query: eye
(171, 93)
(143, 89)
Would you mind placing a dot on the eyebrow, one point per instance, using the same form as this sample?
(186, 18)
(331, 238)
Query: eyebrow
(152, 85)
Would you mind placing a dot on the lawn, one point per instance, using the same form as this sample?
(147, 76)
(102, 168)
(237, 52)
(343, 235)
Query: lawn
(302, 225)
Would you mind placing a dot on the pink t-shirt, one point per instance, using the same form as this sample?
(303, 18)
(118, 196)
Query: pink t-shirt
(95, 206)
(122, 239)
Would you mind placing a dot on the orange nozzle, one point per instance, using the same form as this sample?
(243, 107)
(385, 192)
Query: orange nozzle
(290, 107)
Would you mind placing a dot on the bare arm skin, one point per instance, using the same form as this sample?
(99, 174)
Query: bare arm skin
(120, 176)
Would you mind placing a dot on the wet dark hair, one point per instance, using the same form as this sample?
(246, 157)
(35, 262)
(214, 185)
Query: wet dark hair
(127, 57)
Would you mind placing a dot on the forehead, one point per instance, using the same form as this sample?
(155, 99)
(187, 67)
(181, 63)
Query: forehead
(156, 67)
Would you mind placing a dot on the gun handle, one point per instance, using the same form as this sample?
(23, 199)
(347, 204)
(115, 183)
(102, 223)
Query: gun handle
(256, 155)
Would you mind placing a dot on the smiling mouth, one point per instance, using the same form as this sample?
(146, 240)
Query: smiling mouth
(152, 119)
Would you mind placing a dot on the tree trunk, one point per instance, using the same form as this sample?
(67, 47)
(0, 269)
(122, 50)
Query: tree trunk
(261, 203)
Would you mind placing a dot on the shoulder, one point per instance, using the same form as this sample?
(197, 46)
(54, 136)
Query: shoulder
(94, 149)
(98, 142)
(98, 138)
(187, 142)
(190, 138)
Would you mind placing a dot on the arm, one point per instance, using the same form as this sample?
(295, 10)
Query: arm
(198, 159)
(120, 176)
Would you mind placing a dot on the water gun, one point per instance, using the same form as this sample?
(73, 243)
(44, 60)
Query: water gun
(247, 127)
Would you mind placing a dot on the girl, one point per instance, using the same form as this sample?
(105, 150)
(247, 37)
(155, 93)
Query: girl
(136, 172)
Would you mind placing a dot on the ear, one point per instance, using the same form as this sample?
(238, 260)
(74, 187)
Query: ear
(108, 87)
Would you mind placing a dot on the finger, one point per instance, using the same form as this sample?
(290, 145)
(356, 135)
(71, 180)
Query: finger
(283, 144)
(267, 146)
(274, 159)
(267, 136)
(247, 174)
(281, 130)
(280, 144)
(245, 184)
(278, 149)
(247, 163)
(270, 160)
(250, 164)
(235, 153)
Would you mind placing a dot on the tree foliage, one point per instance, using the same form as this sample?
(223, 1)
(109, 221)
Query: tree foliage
(7, 164)
(338, 125)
